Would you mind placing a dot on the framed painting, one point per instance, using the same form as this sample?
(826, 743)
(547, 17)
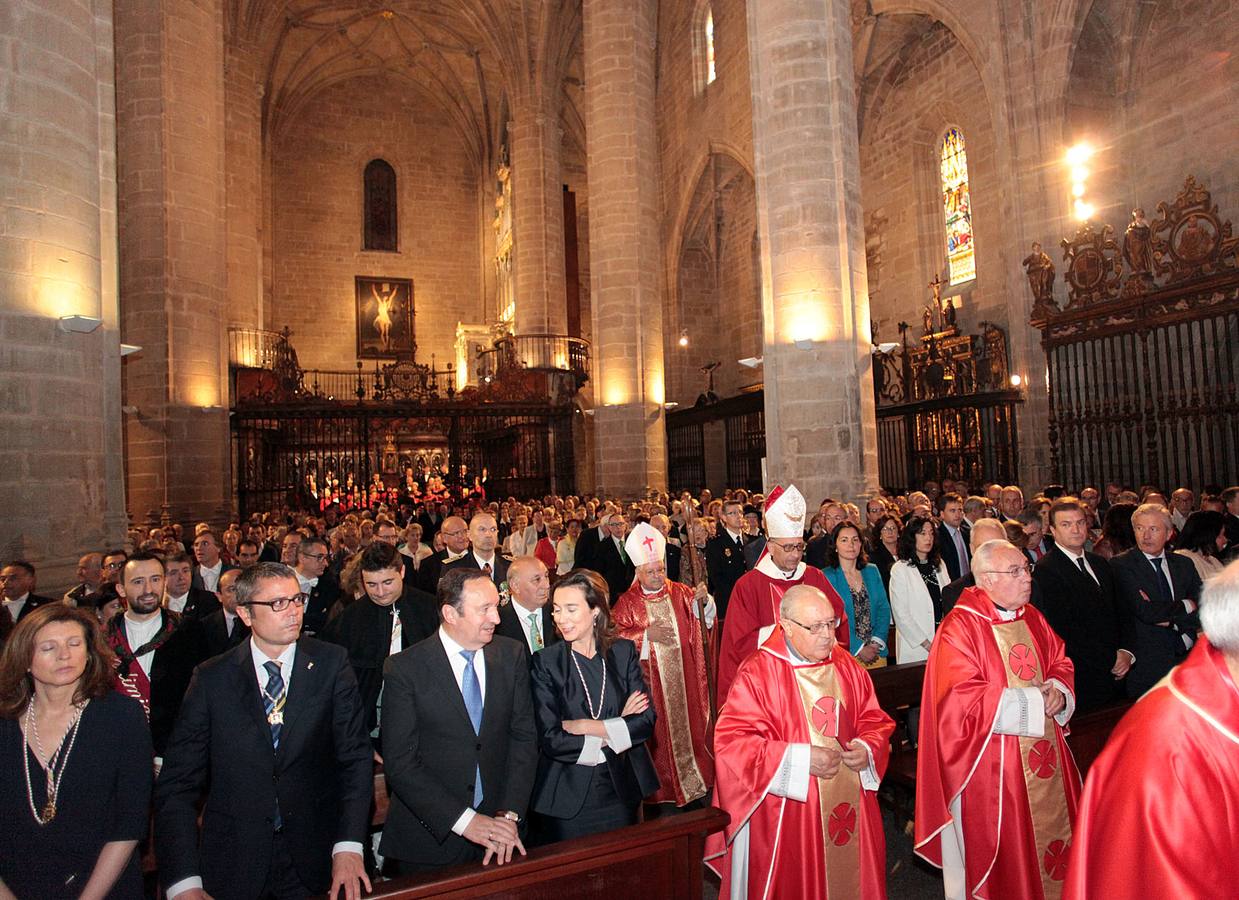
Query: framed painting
(384, 318)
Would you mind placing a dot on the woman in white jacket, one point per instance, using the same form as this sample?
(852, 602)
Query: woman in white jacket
(917, 580)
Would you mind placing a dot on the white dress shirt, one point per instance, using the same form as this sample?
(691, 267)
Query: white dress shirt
(210, 577)
(457, 662)
(138, 633)
(487, 562)
(177, 604)
(15, 606)
(1076, 559)
(260, 659)
(522, 616)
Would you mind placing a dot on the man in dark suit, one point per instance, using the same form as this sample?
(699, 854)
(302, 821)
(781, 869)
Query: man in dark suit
(180, 595)
(320, 586)
(210, 564)
(390, 618)
(156, 648)
(431, 521)
(527, 617)
(459, 743)
(587, 544)
(725, 554)
(1230, 505)
(952, 541)
(611, 559)
(983, 530)
(223, 629)
(455, 533)
(483, 538)
(1159, 592)
(829, 514)
(248, 553)
(1077, 598)
(18, 581)
(272, 731)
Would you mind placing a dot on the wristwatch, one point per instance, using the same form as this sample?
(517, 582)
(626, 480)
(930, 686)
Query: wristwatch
(511, 816)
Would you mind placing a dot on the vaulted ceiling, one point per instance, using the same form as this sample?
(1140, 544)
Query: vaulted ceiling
(476, 59)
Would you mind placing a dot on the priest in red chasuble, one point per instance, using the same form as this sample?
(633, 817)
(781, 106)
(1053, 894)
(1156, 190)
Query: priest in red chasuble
(1159, 813)
(754, 605)
(996, 786)
(799, 749)
(661, 618)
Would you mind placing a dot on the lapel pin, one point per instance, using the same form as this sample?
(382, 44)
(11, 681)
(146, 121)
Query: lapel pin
(309, 666)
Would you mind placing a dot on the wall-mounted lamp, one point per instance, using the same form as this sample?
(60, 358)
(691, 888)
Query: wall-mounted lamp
(126, 349)
(886, 347)
(684, 337)
(751, 362)
(1016, 381)
(670, 404)
(79, 324)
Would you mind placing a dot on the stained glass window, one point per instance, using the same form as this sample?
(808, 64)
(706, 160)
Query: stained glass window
(709, 46)
(957, 208)
(379, 199)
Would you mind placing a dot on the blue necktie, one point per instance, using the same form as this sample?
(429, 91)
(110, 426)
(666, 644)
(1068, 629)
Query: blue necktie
(472, 690)
(273, 699)
(1167, 595)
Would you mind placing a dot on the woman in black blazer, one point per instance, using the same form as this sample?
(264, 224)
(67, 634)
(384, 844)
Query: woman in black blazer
(593, 717)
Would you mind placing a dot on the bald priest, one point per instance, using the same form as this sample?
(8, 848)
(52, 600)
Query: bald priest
(799, 749)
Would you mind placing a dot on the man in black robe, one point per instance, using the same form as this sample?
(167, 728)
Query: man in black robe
(391, 617)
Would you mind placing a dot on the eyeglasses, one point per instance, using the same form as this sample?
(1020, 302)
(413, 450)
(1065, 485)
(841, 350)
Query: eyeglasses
(318, 556)
(789, 548)
(279, 604)
(1014, 571)
(818, 629)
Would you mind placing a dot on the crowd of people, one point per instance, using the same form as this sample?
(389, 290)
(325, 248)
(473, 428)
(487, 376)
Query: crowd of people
(530, 672)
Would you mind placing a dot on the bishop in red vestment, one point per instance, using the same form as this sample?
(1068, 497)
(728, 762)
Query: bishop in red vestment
(1160, 813)
(660, 617)
(799, 748)
(996, 786)
(754, 605)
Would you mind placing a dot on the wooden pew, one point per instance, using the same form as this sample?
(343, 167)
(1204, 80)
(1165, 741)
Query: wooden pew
(661, 858)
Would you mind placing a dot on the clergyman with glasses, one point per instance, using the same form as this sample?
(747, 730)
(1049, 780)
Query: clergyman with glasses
(273, 733)
(800, 747)
(996, 788)
(753, 609)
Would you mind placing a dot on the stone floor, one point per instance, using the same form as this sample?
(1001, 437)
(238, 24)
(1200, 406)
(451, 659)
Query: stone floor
(907, 877)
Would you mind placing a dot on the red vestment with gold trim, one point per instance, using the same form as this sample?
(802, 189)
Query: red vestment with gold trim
(780, 846)
(1160, 812)
(1017, 795)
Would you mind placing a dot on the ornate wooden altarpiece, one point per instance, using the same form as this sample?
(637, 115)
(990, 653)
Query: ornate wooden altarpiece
(1144, 358)
(945, 406)
(289, 423)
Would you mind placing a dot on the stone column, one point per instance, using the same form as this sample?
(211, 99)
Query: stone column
(625, 246)
(821, 432)
(243, 147)
(170, 108)
(538, 219)
(61, 482)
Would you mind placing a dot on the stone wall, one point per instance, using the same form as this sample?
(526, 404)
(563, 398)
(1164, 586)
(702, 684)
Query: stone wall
(317, 164)
(61, 482)
(939, 87)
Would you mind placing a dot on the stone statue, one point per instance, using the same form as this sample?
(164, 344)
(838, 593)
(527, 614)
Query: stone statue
(927, 319)
(1040, 269)
(948, 314)
(1136, 244)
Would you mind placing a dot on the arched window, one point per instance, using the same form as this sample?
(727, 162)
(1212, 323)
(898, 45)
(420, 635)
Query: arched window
(711, 74)
(957, 208)
(703, 45)
(379, 215)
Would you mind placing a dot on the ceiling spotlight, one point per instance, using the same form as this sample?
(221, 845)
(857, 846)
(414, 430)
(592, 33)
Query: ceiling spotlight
(887, 347)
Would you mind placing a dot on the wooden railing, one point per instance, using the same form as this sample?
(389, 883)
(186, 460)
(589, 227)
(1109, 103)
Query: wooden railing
(661, 858)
